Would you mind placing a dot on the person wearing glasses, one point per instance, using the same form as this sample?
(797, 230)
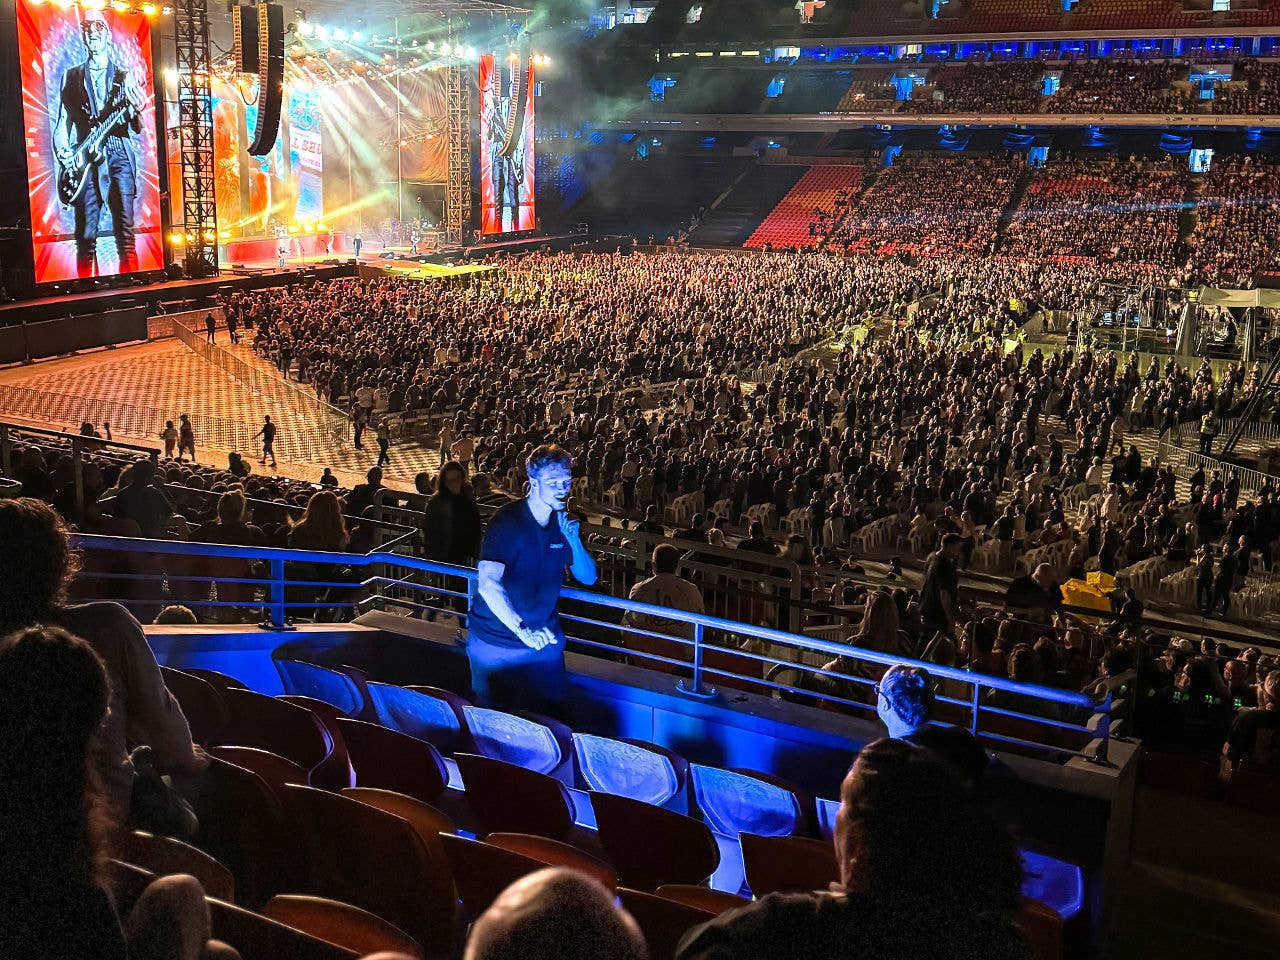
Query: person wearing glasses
(904, 703)
(515, 644)
(95, 93)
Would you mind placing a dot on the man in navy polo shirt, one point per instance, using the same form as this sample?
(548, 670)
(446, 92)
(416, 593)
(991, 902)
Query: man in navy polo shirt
(514, 640)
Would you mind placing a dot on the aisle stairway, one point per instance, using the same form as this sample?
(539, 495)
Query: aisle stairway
(738, 214)
(787, 224)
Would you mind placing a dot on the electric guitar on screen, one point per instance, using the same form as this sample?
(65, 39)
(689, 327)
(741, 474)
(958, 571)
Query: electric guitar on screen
(73, 175)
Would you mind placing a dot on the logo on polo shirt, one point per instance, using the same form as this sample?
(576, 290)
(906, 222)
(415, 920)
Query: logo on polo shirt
(557, 546)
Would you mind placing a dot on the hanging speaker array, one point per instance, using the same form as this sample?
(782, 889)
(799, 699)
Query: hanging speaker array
(258, 34)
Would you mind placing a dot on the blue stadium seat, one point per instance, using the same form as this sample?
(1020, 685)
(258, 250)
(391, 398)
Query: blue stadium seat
(320, 683)
(422, 712)
(734, 803)
(626, 769)
(514, 739)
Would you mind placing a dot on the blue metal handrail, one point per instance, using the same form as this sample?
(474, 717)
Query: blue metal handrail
(276, 583)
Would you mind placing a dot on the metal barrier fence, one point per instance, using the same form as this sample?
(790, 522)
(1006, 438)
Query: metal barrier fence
(309, 412)
(699, 651)
(134, 420)
(1186, 461)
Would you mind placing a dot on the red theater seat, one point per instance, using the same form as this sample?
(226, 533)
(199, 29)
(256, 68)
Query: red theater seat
(627, 828)
(663, 922)
(508, 798)
(341, 923)
(394, 761)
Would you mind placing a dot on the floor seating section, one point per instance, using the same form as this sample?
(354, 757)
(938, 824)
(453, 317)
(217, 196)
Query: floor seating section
(381, 865)
(787, 224)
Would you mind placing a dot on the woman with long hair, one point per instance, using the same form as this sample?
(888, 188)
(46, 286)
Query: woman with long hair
(451, 524)
(321, 526)
(35, 572)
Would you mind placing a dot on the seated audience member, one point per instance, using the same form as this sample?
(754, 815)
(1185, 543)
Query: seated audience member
(555, 914)
(666, 588)
(53, 825)
(923, 873)
(1036, 594)
(176, 613)
(904, 704)
(33, 590)
(1254, 736)
(142, 503)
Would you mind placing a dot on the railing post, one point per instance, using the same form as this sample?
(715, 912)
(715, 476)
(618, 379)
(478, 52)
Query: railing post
(1101, 755)
(276, 618)
(694, 688)
(976, 705)
(77, 473)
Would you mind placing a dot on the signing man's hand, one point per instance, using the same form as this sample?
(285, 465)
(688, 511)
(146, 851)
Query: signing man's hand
(535, 638)
(569, 525)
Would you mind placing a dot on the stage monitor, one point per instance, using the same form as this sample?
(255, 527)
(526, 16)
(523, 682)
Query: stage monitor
(93, 171)
(506, 145)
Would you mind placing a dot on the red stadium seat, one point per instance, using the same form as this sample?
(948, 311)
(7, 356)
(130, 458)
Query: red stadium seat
(701, 898)
(340, 923)
(362, 855)
(201, 704)
(481, 871)
(556, 854)
(787, 864)
(511, 799)
(165, 855)
(273, 724)
(394, 761)
(663, 922)
(687, 853)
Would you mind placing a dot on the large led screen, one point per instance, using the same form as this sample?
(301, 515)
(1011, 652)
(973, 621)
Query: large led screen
(506, 146)
(88, 103)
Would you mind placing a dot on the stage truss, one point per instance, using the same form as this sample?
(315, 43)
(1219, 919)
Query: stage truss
(457, 194)
(195, 133)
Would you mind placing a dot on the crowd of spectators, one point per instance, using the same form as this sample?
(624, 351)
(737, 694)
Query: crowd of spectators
(1237, 232)
(1119, 211)
(931, 206)
(1255, 89)
(1105, 86)
(1002, 87)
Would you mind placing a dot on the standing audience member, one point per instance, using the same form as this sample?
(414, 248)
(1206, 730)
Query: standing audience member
(666, 588)
(451, 522)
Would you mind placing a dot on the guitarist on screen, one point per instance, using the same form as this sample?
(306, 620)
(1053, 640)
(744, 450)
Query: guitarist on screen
(99, 110)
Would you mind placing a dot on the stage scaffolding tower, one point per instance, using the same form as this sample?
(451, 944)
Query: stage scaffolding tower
(457, 195)
(195, 133)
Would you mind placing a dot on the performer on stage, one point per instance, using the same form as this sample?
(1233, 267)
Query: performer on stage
(514, 640)
(414, 239)
(91, 92)
(356, 244)
(282, 253)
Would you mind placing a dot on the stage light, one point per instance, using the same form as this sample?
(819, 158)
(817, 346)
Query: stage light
(339, 34)
(304, 29)
(322, 33)
(94, 4)
(293, 228)
(167, 11)
(177, 239)
(224, 234)
(210, 236)
(356, 37)
(431, 45)
(148, 9)
(513, 57)
(470, 52)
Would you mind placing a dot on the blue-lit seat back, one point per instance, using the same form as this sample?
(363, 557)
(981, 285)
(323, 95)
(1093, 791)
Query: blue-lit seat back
(417, 714)
(733, 803)
(1055, 883)
(624, 769)
(827, 810)
(320, 683)
(512, 739)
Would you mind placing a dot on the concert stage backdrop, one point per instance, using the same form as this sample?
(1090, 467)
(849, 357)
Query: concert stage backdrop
(88, 102)
(506, 147)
